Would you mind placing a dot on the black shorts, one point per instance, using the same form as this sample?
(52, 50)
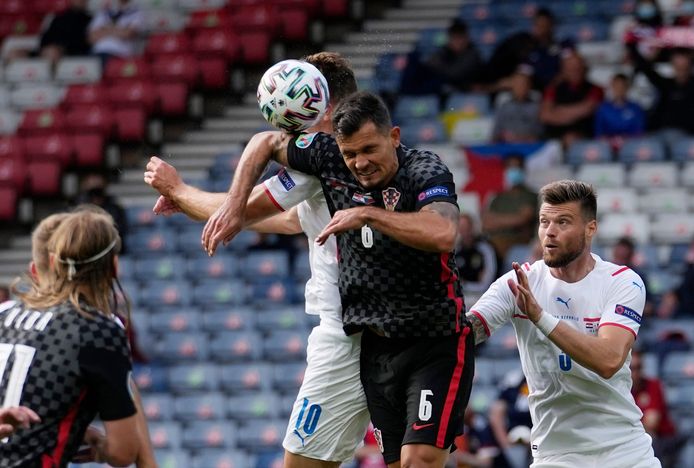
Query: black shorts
(416, 390)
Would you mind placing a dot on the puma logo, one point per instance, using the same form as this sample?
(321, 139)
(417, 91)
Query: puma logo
(637, 285)
(565, 302)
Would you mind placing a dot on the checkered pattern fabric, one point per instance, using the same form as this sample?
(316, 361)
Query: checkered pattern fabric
(53, 346)
(402, 291)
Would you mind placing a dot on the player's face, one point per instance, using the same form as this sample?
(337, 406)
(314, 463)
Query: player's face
(371, 155)
(563, 232)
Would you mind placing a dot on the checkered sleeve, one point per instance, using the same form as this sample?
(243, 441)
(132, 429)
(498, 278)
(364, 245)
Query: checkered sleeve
(104, 361)
(306, 152)
(433, 181)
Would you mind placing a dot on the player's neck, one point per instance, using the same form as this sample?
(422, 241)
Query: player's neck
(576, 270)
(325, 126)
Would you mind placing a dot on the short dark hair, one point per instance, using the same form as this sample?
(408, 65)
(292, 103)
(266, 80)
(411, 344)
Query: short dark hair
(620, 76)
(544, 12)
(356, 110)
(566, 191)
(627, 242)
(337, 72)
(458, 27)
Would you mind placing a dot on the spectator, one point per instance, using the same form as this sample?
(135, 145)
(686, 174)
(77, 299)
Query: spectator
(474, 447)
(369, 455)
(114, 30)
(537, 47)
(67, 33)
(675, 95)
(509, 418)
(624, 253)
(647, 13)
(477, 263)
(518, 119)
(680, 301)
(93, 191)
(453, 67)
(684, 14)
(510, 218)
(650, 398)
(619, 117)
(569, 105)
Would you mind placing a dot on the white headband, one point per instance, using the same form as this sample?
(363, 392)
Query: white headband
(71, 270)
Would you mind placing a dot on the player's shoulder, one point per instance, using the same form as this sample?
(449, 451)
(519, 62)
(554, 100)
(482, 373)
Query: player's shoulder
(316, 140)
(97, 328)
(418, 159)
(612, 273)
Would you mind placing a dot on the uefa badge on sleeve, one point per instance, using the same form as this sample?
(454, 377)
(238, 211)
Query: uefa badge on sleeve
(379, 439)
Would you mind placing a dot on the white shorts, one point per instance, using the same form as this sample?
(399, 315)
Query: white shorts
(635, 454)
(329, 418)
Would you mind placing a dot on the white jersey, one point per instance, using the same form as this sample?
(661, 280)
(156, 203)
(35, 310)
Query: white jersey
(287, 189)
(573, 409)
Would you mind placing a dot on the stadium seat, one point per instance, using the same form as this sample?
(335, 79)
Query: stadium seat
(151, 378)
(228, 319)
(246, 377)
(255, 47)
(216, 458)
(157, 267)
(616, 225)
(680, 396)
(678, 367)
(214, 73)
(609, 175)
(301, 269)
(269, 292)
(92, 94)
(487, 36)
(416, 107)
(288, 376)
(584, 31)
(151, 241)
(473, 132)
(44, 178)
(470, 104)
(219, 292)
(28, 70)
(261, 434)
(8, 203)
(642, 150)
(293, 24)
(192, 5)
(35, 96)
(9, 121)
(687, 175)
(175, 321)
(161, 20)
(78, 70)
(256, 406)
(126, 69)
(178, 68)
(209, 434)
(193, 378)
(266, 263)
(172, 98)
(42, 122)
(388, 72)
(677, 255)
(90, 118)
(663, 201)
(130, 124)
(286, 405)
(682, 150)
(230, 346)
(589, 151)
(166, 44)
(222, 265)
(165, 435)
(182, 347)
(217, 42)
(142, 217)
(209, 18)
(54, 147)
(617, 200)
(157, 406)
(171, 458)
(89, 149)
(200, 407)
(653, 175)
(421, 132)
(129, 94)
(169, 293)
(13, 173)
(286, 318)
(672, 228)
(538, 178)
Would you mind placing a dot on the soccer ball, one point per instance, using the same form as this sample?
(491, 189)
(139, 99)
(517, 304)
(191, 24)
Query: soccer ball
(293, 95)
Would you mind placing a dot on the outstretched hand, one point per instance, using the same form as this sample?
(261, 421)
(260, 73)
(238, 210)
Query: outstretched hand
(524, 297)
(16, 417)
(222, 226)
(343, 220)
(162, 176)
(165, 207)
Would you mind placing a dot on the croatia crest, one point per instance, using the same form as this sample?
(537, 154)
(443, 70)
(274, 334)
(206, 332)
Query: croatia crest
(391, 197)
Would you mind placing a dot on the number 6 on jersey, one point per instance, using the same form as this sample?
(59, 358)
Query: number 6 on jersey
(425, 405)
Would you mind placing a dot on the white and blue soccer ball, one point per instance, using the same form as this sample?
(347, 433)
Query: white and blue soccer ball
(293, 95)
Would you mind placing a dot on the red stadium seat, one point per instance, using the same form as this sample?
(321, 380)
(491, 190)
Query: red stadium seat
(217, 43)
(13, 173)
(173, 98)
(42, 121)
(89, 149)
(311, 7)
(44, 178)
(210, 19)
(133, 94)
(53, 147)
(168, 43)
(118, 69)
(336, 8)
(11, 147)
(85, 94)
(91, 118)
(256, 19)
(255, 48)
(8, 203)
(130, 124)
(294, 25)
(179, 68)
(51, 6)
(214, 73)
(15, 7)
(20, 25)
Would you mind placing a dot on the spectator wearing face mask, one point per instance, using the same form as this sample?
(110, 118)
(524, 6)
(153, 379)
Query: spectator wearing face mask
(647, 13)
(511, 218)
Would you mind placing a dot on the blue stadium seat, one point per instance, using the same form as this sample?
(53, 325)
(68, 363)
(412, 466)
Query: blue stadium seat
(165, 293)
(209, 434)
(430, 39)
(126, 268)
(584, 31)
(680, 397)
(170, 458)
(286, 318)
(475, 104)
(286, 405)
(589, 151)
(219, 292)
(254, 406)
(222, 265)
(216, 458)
(200, 407)
(228, 319)
(150, 378)
(282, 346)
(423, 131)
(191, 378)
(416, 107)
(488, 35)
(287, 377)
(182, 347)
(142, 217)
(266, 263)
(261, 434)
(188, 240)
(157, 406)
(388, 72)
(663, 329)
(642, 149)
(270, 459)
(141, 322)
(683, 150)
(247, 377)
(515, 11)
(159, 267)
(678, 254)
(236, 346)
(150, 241)
(243, 241)
(272, 292)
(165, 435)
(301, 269)
(478, 12)
(175, 321)
(679, 366)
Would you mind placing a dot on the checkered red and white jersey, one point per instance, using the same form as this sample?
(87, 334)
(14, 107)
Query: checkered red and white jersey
(67, 368)
(403, 291)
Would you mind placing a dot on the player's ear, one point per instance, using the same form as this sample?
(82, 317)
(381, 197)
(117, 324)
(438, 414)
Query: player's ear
(115, 266)
(591, 228)
(395, 136)
(33, 271)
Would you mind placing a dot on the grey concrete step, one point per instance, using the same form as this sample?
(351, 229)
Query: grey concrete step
(405, 25)
(252, 125)
(200, 149)
(428, 12)
(218, 136)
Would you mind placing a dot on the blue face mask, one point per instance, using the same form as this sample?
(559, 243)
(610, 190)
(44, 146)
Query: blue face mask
(514, 176)
(646, 11)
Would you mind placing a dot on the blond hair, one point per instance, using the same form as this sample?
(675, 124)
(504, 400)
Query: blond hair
(39, 241)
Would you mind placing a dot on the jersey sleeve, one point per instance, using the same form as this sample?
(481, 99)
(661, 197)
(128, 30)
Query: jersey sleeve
(624, 305)
(433, 182)
(289, 188)
(104, 362)
(496, 306)
(308, 152)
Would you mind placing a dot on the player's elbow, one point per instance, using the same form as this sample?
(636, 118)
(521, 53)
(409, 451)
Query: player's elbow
(122, 458)
(609, 368)
(445, 240)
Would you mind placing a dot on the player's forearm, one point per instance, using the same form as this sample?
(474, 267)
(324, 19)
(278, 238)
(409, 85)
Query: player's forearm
(195, 203)
(145, 456)
(286, 222)
(478, 329)
(423, 230)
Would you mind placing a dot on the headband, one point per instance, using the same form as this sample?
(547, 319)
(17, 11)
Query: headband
(71, 270)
